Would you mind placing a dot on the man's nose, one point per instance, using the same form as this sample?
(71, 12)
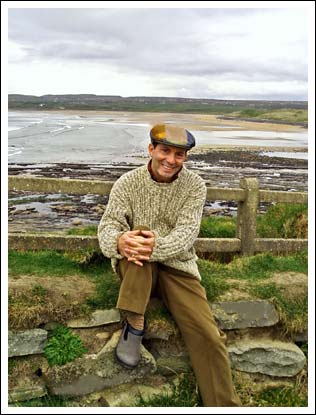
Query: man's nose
(171, 159)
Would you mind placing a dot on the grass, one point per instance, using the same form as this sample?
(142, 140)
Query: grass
(45, 401)
(284, 114)
(282, 397)
(286, 395)
(54, 263)
(63, 346)
(184, 394)
(255, 270)
(218, 227)
(282, 220)
(90, 230)
(35, 306)
(293, 312)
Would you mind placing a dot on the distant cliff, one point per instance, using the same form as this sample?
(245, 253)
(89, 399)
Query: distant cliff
(148, 104)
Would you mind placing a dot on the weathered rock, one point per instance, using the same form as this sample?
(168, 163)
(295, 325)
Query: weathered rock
(270, 357)
(243, 314)
(97, 318)
(20, 394)
(26, 342)
(126, 395)
(76, 222)
(96, 372)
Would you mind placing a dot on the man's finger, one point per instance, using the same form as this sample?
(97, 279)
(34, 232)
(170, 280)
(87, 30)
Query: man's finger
(132, 243)
(135, 260)
(148, 241)
(148, 234)
(133, 233)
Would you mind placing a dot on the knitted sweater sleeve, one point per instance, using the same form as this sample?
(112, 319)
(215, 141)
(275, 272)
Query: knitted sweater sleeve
(184, 234)
(114, 221)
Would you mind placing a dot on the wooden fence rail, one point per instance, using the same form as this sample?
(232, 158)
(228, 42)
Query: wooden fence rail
(248, 197)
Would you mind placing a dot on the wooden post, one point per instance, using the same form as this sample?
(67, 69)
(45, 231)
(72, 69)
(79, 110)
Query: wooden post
(247, 216)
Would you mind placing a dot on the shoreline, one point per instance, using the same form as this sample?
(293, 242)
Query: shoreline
(202, 148)
(193, 121)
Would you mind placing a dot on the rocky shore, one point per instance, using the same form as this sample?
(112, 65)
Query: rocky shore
(218, 167)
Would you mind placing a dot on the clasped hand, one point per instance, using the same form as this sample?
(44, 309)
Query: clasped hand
(136, 246)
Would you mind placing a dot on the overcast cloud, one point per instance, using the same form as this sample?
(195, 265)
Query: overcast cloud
(200, 53)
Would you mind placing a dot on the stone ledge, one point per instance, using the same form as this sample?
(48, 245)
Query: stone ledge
(244, 314)
(266, 356)
(26, 342)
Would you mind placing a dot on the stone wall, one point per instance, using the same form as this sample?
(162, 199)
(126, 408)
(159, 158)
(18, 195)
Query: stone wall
(253, 345)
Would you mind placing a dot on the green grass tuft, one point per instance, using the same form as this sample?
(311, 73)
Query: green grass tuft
(282, 397)
(63, 346)
(184, 394)
(45, 401)
(283, 220)
(90, 230)
(213, 280)
(56, 263)
(218, 227)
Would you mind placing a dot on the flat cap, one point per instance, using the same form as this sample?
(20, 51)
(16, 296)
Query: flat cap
(172, 135)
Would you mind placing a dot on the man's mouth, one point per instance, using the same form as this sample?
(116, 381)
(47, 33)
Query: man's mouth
(168, 168)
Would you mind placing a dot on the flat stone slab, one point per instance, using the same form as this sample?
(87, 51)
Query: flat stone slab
(96, 372)
(244, 314)
(266, 356)
(20, 394)
(97, 318)
(26, 342)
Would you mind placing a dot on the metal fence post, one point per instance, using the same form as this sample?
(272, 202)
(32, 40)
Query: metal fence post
(247, 215)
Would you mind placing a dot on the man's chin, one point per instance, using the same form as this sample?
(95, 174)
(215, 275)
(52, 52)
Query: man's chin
(167, 172)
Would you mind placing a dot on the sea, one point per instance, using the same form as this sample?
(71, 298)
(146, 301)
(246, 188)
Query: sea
(61, 137)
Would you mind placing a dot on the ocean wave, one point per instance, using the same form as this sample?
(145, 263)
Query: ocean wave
(13, 151)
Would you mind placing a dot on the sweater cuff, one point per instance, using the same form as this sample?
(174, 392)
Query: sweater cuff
(154, 255)
(118, 255)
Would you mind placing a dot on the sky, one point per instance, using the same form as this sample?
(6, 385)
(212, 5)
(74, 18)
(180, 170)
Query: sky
(248, 52)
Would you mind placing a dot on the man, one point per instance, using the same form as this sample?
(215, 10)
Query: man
(148, 230)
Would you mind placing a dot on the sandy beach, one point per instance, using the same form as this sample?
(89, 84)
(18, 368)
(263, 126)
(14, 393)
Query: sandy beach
(207, 122)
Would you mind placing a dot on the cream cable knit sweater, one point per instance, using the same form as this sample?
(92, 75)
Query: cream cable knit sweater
(173, 211)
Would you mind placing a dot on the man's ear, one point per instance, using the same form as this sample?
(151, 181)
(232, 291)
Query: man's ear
(150, 148)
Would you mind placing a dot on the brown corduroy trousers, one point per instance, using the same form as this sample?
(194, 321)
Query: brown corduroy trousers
(186, 300)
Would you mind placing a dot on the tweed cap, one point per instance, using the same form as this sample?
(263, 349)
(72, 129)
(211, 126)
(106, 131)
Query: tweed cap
(172, 135)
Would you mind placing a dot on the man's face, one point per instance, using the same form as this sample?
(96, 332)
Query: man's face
(166, 161)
